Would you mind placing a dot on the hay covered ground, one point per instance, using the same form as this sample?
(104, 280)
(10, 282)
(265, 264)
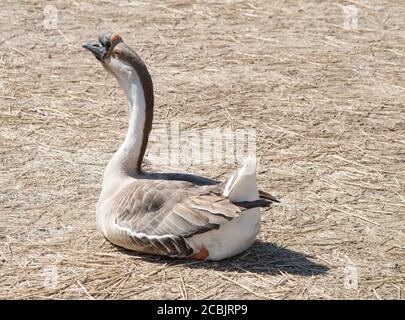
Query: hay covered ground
(326, 99)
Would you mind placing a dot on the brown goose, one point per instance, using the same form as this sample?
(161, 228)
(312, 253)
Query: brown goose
(170, 214)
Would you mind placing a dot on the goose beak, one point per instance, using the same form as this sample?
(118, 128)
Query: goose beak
(95, 48)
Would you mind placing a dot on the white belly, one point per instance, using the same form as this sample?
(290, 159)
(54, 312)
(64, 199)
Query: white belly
(231, 238)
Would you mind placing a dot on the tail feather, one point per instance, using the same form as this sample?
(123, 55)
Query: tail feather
(268, 196)
(241, 187)
(242, 184)
(263, 203)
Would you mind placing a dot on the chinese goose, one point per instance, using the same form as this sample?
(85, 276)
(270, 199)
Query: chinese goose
(170, 214)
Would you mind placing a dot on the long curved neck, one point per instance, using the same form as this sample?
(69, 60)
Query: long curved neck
(127, 161)
(131, 151)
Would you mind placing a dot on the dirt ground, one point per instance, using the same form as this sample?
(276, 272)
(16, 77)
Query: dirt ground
(322, 82)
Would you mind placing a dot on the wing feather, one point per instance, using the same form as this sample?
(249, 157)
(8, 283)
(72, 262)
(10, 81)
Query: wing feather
(157, 216)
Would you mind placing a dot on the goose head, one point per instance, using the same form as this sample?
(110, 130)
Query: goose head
(122, 62)
(113, 53)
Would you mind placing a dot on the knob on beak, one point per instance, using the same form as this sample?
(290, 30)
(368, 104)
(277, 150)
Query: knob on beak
(96, 48)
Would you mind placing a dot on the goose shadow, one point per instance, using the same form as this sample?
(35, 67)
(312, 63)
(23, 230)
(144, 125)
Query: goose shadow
(261, 258)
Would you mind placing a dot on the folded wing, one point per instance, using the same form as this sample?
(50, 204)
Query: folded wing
(157, 216)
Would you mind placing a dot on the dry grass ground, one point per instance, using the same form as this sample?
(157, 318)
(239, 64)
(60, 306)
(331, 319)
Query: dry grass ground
(327, 104)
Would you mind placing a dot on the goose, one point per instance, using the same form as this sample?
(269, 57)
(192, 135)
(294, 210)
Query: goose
(176, 215)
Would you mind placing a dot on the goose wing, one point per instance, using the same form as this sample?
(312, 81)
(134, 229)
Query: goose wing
(157, 216)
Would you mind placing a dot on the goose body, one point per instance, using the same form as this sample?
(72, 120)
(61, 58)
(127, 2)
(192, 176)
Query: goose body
(169, 214)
